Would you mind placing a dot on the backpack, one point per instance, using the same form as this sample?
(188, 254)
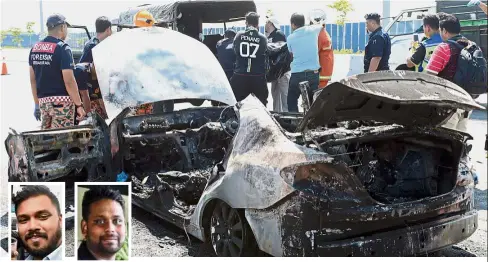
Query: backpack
(471, 72)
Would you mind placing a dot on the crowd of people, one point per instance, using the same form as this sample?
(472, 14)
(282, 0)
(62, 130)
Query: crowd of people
(244, 57)
(64, 92)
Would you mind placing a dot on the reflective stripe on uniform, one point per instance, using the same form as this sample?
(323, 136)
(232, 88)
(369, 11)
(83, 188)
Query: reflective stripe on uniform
(325, 77)
(142, 19)
(429, 50)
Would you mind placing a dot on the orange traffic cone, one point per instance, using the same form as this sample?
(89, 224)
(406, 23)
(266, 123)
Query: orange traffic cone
(4, 67)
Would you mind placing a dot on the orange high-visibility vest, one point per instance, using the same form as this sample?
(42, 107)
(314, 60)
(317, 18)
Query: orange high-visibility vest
(326, 58)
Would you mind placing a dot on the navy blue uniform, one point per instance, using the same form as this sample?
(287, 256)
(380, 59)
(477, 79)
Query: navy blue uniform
(87, 57)
(226, 56)
(249, 77)
(82, 76)
(48, 58)
(250, 48)
(379, 45)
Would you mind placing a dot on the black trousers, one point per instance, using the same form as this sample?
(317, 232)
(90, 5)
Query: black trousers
(244, 85)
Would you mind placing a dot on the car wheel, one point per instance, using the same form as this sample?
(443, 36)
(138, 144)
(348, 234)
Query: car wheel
(230, 234)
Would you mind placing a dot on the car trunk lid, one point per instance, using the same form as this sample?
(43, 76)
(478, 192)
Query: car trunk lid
(400, 97)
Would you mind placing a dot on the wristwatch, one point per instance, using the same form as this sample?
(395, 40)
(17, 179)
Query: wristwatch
(79, 105)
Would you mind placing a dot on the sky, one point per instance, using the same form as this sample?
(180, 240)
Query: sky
(16, 13)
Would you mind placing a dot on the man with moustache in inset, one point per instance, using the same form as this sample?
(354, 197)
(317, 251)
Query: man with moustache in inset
(39, 221)
(103, 224)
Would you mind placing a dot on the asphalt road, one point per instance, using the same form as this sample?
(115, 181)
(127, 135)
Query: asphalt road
(155, 238)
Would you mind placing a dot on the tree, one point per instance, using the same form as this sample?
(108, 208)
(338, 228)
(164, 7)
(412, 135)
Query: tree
(343, 7)
(30, 31)
(269, 13)
(80, 42)
(3, 35)
(16, 37)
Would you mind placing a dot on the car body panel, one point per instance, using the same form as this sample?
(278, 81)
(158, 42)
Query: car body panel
(394, 97)
(254, 163)
(48, 155)
(152, 69)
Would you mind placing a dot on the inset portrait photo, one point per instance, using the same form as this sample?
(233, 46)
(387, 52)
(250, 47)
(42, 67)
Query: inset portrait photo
(102, 226)
(36, 220)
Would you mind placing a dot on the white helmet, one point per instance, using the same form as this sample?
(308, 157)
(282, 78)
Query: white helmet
(317, 16)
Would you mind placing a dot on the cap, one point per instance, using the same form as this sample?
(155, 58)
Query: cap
(55, 20)
(230, 32)
(144, 19)
(372, 16)
(274, 21)
(317, 16)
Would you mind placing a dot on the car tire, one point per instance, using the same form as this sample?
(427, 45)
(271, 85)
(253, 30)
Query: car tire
(230, 235)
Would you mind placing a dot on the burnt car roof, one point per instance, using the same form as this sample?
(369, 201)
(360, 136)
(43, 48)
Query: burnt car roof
(400, 97)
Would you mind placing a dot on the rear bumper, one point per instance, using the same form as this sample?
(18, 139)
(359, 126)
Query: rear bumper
(413, 240)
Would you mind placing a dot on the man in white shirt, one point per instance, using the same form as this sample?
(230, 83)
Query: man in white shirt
(39, 221)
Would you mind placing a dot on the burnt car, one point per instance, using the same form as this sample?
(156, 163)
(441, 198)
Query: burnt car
(389, 180)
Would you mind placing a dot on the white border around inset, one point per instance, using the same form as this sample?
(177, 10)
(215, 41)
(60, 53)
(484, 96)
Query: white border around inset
(128, 205)
(62, 203)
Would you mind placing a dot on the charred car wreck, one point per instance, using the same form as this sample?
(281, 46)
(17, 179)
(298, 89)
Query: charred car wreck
(389, 180)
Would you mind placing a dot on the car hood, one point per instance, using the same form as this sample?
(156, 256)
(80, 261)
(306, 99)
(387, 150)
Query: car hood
(397, 97)
(146, 65)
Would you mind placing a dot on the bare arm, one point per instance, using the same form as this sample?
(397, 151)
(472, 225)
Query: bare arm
(85, 98)
(484, 7)
(71, 86)
(373, 65)
(33, 85)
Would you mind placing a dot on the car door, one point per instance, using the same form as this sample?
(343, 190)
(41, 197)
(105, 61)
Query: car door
(72, 154)
(78, 35)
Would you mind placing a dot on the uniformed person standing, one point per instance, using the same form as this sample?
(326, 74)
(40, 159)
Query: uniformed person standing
(104, 30)
(225, 53)
(326, 52)
(250, 47)
(378, 50)
(53, 84)
(422, 54)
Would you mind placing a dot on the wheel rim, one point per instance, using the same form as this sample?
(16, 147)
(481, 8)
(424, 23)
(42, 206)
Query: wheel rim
(226, 229)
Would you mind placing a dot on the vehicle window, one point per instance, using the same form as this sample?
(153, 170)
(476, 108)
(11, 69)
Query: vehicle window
(408, 23)
(77, 38)
(214, 29)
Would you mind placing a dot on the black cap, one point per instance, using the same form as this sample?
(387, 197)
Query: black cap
(372, 16)
(230, 31)
(55, 20)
